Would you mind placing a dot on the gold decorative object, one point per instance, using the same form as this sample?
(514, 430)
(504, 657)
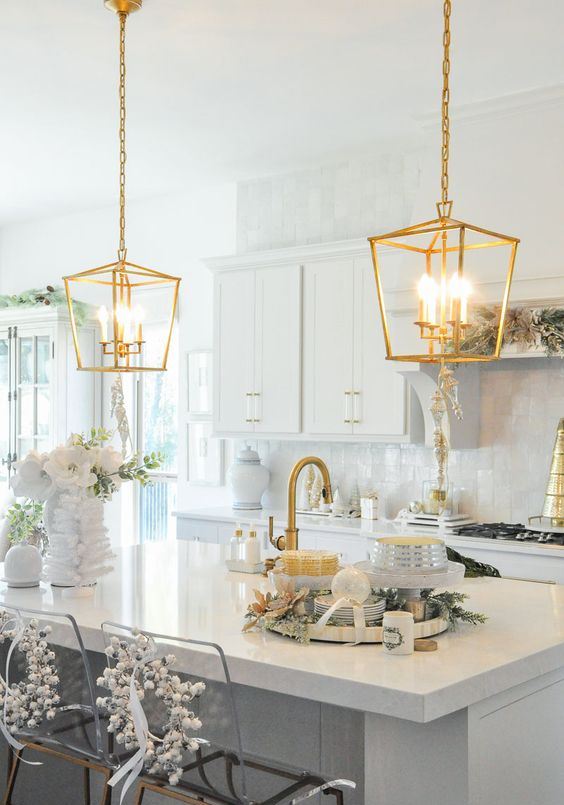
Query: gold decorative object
(553, 508)
(443, 246)
(289, 541)
(436, 254)
(121, 285)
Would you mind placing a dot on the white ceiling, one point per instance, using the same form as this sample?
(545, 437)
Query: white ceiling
(227, 89)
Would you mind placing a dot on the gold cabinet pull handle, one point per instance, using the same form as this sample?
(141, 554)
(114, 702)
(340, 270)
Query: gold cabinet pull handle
(356, 420)
(347, 420)
(255, 395)
(249, 395)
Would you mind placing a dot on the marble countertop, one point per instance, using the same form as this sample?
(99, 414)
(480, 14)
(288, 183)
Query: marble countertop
(183, 589)
(371, 529)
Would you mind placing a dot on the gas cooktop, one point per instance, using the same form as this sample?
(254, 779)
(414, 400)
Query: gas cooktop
(515, 532)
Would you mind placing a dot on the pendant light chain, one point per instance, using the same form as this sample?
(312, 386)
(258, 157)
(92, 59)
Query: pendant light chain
(122, 153)
(445, 204)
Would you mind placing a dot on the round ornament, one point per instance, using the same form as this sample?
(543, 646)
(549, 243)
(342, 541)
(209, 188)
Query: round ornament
(351, 584)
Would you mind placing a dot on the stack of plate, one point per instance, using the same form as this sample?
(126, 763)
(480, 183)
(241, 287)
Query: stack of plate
(373, 610)
(409, 555)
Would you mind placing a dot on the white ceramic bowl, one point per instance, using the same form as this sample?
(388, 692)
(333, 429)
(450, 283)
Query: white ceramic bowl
(409, 554)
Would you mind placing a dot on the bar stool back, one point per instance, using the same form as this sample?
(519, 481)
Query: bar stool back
(48, 697)
(181, 708)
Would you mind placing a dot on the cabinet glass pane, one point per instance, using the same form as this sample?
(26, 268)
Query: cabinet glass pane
(26, 412)
(26, 360)
(42, 412)
(43, 358)
(42, 446)
(24, 446)
(4, 414)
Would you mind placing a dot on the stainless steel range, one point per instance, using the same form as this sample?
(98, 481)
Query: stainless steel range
(513, 532)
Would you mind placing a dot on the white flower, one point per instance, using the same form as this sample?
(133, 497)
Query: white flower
(70, 466)
(31, 480)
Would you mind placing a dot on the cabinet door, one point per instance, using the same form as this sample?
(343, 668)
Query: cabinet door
(379, 393)
(328, 346)
(277, 386)
(234, 314)
(6, 407)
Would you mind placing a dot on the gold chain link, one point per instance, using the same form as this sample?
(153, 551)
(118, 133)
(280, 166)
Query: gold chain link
(122, 153)
(445, 103)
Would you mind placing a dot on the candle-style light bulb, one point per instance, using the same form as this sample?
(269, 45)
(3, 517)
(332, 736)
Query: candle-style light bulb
(460, 290)
(103, 319)
(428, 292)
(138, 317)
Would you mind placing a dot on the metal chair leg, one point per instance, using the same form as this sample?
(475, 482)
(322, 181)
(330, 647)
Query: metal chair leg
(140, 794)
(9, 763)
(86, 784)
(12, 778)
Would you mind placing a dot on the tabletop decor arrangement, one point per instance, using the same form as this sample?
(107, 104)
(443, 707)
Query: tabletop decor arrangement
(402, 576)
(73, 482)
(28, 542)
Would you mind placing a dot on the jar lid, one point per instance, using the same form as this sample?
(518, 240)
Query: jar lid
(247, 456)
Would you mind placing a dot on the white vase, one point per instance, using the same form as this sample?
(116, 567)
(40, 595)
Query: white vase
(248, 479)
(79, 550)
(22, 566)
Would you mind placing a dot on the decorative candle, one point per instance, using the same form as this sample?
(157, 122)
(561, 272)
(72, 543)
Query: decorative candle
(103, 319)
(398, 632)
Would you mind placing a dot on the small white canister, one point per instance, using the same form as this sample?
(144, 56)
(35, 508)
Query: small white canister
(398, 633)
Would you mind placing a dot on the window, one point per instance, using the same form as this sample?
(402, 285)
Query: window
(157, 431)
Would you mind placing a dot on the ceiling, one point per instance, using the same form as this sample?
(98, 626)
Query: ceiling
(229, 89)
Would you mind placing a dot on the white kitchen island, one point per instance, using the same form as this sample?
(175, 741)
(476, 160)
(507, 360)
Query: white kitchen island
(479, 722)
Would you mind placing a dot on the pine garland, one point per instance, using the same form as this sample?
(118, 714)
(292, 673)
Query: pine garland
(50, 295)
(524, 326)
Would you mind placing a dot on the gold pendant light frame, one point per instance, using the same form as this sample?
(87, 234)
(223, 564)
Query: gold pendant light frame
(125, 347)
(443, 330)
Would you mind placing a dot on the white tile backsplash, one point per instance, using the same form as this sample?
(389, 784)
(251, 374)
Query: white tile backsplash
(504, 479)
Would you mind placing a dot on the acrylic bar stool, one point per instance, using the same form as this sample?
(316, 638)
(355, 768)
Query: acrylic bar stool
(51, 708)
(194, 752)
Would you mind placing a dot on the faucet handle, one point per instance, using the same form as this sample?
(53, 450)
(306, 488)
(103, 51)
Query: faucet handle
(278, 542)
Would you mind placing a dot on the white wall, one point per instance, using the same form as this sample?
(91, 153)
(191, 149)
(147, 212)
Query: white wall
(170, 233)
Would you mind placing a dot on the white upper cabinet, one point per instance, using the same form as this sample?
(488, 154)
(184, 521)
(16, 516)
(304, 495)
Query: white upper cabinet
(277, 386)
(299, 349)
(379, 391)
(234, 352)
(349, 387)
(257, 350)
(328, 347)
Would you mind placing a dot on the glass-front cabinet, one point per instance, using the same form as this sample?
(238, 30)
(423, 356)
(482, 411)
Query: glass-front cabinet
(42, 395)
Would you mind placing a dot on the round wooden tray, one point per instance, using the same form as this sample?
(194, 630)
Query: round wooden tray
(372, 634)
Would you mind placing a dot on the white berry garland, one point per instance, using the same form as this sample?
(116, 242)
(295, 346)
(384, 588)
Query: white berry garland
(35, 697)
(163, 754)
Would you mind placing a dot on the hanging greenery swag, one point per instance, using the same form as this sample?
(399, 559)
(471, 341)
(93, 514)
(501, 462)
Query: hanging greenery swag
(50, 295)
(526, 327)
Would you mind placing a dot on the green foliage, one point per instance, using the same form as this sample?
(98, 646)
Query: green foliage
(134, 469)
(54, 296)
(447, 605)
(98, 437)
(474, 569)
(26, 519)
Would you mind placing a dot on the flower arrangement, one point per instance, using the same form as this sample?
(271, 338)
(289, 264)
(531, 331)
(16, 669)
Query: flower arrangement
(151, 675)
(36, 696)
(86, 463)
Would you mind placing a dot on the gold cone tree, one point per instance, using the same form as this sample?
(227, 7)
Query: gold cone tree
(554, 499)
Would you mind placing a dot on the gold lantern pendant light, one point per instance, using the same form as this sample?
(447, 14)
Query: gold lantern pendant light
(436, 254)
(122, 284)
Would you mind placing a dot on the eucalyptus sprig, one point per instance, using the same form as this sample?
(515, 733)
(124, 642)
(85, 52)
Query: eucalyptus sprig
(26, 522)
(134, 469)
(96, 437)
